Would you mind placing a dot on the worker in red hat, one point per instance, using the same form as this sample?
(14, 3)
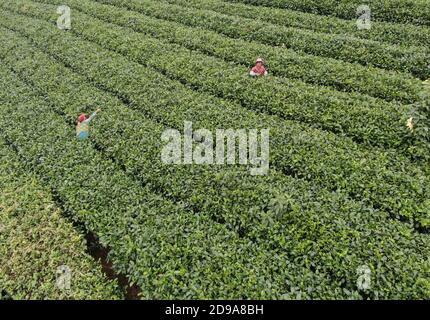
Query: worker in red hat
(259, 69)
(83, 127)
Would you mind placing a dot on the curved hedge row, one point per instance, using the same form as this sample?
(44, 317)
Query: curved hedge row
(283, 62)
(365, 52)
(416, 12)
(367, 120)
(246, 91)
(323, 158)
(35, 241)
(162, 232)
(394, 33)
(167, 250)
(336, 241)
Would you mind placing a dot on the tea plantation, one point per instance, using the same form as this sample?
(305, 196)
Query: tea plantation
(348, 187)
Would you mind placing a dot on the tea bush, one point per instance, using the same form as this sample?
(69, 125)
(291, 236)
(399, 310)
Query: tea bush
(283, 61)
(416, 12)
(115, 76)
(411, 59)
(390, 32)
(329, 204)
(35, 241)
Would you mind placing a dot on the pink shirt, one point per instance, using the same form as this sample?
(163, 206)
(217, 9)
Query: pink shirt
(258, 71)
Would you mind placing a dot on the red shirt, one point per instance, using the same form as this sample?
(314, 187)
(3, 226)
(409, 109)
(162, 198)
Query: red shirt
(260, 70)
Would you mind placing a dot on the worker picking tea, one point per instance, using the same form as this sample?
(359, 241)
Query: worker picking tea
(259, 69)
(83, 126)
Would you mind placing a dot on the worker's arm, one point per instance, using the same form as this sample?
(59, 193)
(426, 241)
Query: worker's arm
(252, 73)
(93, 115)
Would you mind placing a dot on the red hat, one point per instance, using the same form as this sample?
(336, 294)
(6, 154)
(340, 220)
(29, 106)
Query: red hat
(82, 117)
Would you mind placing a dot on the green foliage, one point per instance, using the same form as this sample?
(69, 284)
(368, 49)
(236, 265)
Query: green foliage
(35, 241)
(381, 55)
(390, 32)
(282, 61)
(399, 11)
(172, 253)
(328, 205)
(165, 249)
(304, 152)
(420, 114)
